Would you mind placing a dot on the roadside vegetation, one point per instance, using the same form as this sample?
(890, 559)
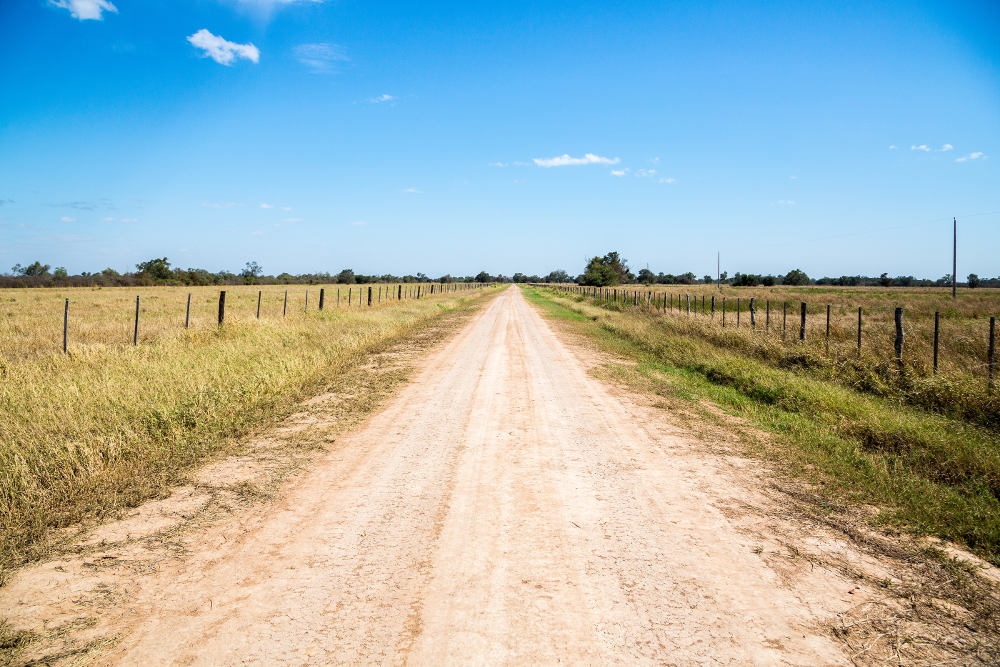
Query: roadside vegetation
(932, 469)
(108, 425)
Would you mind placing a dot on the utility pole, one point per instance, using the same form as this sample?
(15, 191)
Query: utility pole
(718, 270)
(954, 258)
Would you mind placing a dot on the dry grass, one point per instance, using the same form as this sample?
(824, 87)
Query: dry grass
(108, 425)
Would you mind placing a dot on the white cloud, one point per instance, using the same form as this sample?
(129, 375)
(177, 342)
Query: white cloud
(263, 205)
(565, 160)
(655, 160)
(922, 147)
(893, 147)
(785, 202)
(221, 204)
(107, 219)
(384, 97)
(947, 147)
(645, 173)
(321, 57)
(498, 164)
(978, 155)
(668, 180)
(66, 218)
(222, 50)
(618, 172)
(412, 191)
(86, 9)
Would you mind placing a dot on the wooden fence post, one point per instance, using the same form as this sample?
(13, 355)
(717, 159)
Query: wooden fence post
(399, 295)
(222, 306)
(723, 312)
(784, 318)
(802, 325)
(936, 335)
(259, 294)
(369, 296)
(713, 306)
(687, 299)
(135, 332)
(898, 345)
(859, 332)
(991, 354)
(322, 297)
(828, 328)
(767, 315)
(753, 313)
(65, 325)
(739, 307)
(307, 300)
(284, 306)
(187, 313)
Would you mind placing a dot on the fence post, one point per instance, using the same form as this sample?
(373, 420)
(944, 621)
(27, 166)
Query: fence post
(307, 300)
(753, 313)
(135, 332)
(350, 290)
(399, 296)
(802, 325)
(65, 324)
(369, 296)
(713, 306)
(187, 314)
(828, 328)
(991, 355)
(259, 294)
(687, 299)
(723, 312)
(899, 337)
(859, 332)
(784, 318)
(322, 297)
(222, 306)
(936, 332)
(739, 307)
(767, 315)
(284, 306)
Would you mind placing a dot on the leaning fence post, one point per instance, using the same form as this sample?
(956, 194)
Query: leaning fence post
(802, 325)
(936, 331)
(898, 345)
(753, 313)
(135, 332)
(259, 294)
(65, 324)
(284, 306)
(222, 306)
(187, 314)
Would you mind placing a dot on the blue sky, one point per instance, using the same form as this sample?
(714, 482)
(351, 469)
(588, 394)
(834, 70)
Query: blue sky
(515, 136)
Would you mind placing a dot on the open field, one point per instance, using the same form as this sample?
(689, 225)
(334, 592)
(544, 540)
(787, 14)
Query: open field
(31, 320)
(960, 386)
(108, 425)
(934, 473)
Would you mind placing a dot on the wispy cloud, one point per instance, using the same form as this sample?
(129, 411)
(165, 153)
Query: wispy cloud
(222, 50)
(565, 160)
(86, 9)
(668, 180)
(619, 172)
(498, 164)
(947, 147)
(381, 99)
(785, 202)
(263, 205)
(922, 147)
(978, 155)
(129, 220)
(321, 57)
(413, 191)
(221, 204)
(893, 147)
(66, 218)
(286, 208)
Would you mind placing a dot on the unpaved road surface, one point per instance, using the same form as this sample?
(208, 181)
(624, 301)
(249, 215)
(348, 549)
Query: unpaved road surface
(505, 507)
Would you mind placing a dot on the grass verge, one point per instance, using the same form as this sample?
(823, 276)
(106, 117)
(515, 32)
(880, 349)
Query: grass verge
(930, 474)
(88, 434)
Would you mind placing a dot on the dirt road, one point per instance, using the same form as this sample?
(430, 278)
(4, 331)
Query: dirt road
(506, 507)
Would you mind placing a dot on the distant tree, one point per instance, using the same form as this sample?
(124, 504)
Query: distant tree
(686, 279)
(422, 278)
(483, 277)
(520, 278)
(745, 279)
(884, 280)
(707, 279)
(666, 278)
(345, 277)
(973, 281)
(608, 270)
(724, 276)
(34, 269)
(795, 277)
(558, 276)
(60, 272)
(155, 269)
(767, 281)
(646, 277)
(446, 278)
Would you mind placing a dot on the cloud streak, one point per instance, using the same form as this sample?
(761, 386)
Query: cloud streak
(978, 155)
(565, 160)
(320, 58)
(222, 50)
(86, 10)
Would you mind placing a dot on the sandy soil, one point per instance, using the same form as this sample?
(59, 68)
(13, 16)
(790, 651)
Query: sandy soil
(505, 507)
